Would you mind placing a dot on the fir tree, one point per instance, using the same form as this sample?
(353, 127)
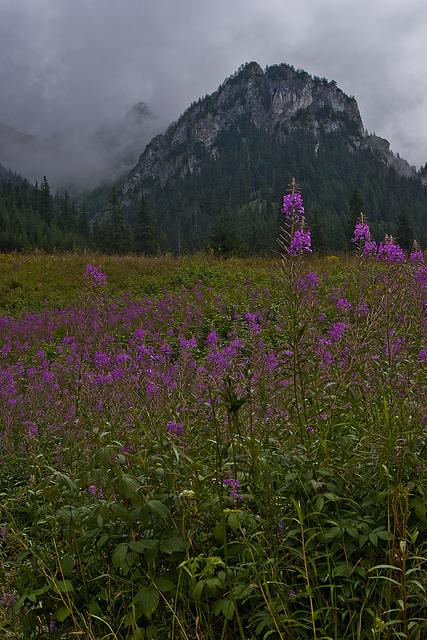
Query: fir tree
(83, 226)
(319, 239)
(117, 240)
(145, 235)
(45, 203)
(224, 238)
(66, 213)
(404, 232)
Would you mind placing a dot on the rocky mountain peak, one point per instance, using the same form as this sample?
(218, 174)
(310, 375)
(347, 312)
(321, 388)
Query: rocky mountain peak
(278, 100)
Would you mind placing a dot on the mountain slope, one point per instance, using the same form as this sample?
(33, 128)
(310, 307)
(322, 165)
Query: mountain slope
(238, 149)
(273, 101)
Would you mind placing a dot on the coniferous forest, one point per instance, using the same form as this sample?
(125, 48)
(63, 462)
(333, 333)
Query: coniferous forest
(238, 196)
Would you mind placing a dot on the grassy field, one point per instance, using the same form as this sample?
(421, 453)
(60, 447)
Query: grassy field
(203, 449)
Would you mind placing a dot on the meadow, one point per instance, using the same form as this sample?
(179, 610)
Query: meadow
(214, 449)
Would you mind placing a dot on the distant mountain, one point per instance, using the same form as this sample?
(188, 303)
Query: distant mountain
(82, 159)
(237, 149)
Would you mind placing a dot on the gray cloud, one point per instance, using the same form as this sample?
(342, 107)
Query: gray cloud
(75, 65)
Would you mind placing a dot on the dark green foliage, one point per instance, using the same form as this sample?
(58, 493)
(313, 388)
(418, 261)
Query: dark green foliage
(45, 202)
(404, 232)
(224, 239)
(116, 235)
(83, 226)
(145, 236)
(31, 218)
(319, 239)
(66, 213)
(249, 176)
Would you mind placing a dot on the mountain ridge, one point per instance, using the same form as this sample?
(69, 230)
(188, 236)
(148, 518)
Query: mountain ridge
(273, 98)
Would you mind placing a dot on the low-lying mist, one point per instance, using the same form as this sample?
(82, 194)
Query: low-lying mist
(82, 159)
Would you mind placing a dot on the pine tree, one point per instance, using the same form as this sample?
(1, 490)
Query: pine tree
(145, 235)
(45, 204)
(404, 232)
(319, 239)
(224, 238)
(83, 226)
(117, 240)
(66, 213)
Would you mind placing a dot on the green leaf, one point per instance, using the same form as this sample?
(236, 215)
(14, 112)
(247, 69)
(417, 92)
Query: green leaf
(18, 604)
(333, 533)
(198, 589)
(226, 607)
(372, 537)
(340, 570)
(129, 487)
(141, 545)
(382, 534)
(151, 632)
(331, 496)
(319, 502)
(219, 533)
(420, 508)
(64, 586)
(148, 599)
(119, 554)
(102, 540)
(159, 508)
(94, 608)
(120, 511)
(61, 614)
(163, 584)
(172, 544)
(67, 565)
(103, 456)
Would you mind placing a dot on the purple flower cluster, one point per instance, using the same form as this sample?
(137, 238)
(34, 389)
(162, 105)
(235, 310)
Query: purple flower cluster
(416, 257)
(293, 203)
(94, 277)
(390, 251)
(300, 242)
(235, 486)
(295, 236)
(175, 427)
(362, 238)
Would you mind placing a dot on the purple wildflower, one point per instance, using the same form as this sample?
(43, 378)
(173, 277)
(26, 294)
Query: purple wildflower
(296, 237)
(416, 257)
(292, 203)
(362, 238)
(390, 251)
(175, 427)
(96, 278)
(301, 241)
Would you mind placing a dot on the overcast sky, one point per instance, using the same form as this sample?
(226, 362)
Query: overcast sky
(67, 64)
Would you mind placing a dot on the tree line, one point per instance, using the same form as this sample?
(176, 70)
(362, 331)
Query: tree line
(31, 217)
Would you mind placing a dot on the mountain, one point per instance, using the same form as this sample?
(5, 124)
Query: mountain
(81, 159)
(237, 150)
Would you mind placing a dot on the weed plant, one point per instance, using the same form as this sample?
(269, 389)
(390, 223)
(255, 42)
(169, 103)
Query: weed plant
(223, 455)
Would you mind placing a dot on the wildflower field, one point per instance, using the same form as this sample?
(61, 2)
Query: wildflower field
(201, 449)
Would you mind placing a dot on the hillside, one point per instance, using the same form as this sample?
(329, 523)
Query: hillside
(237, 149)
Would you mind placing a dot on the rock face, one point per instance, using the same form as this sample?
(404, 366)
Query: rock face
(278, 100)
(382, 148)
